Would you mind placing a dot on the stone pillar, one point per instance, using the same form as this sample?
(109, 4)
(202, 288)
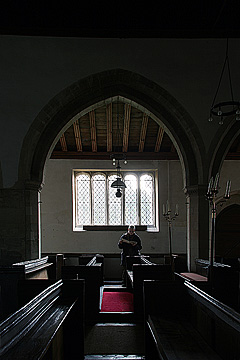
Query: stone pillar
(32, 239)
(197, 225)
(19, 238)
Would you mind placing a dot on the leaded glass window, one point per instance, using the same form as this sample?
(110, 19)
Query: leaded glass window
(131, 205)
(96, 202)
(114, 204)
(146, 199)
(83, 203)
(99, 199)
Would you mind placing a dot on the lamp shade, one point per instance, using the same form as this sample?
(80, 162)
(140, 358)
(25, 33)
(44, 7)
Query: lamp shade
(118, 184)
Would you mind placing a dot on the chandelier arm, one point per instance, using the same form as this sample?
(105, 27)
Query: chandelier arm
(230, 80)
(219, 83)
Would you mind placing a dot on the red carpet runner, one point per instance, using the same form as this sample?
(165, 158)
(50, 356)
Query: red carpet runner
(117, 302)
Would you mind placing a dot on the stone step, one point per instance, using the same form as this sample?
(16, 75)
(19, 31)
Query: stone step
(114, 338)
(116, 317)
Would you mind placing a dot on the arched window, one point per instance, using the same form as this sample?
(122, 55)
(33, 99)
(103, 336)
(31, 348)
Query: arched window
(97, 204)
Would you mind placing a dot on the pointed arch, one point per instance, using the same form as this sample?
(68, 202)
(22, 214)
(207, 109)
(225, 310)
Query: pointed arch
(54, 118)
(221, 145)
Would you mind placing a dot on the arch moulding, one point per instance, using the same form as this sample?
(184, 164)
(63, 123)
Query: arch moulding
(54, 117)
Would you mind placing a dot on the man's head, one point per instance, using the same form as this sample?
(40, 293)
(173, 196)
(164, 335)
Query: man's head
(131, 229)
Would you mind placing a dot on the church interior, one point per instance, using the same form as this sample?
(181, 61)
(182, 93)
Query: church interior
(113, 116)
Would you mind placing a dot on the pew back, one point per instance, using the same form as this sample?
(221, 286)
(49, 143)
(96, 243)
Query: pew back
(138, 259)
(141, 272)
(10, 276)
(93, 281)
(49, 326)
(175, 305)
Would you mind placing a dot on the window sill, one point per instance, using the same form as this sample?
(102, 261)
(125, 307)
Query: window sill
(111, 227)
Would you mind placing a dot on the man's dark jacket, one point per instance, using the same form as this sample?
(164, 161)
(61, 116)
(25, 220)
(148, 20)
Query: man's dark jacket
(128, 249)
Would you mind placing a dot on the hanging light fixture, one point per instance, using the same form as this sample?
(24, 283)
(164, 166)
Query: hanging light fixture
(225, 108)
(116, 157)
(118, 183)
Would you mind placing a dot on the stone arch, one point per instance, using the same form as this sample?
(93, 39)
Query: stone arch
(220, 146)
(54, 117)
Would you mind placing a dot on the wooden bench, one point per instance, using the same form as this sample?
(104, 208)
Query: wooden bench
(49, 326)
(145, 270)
(223, 283)
(10, 276)
(98, 260)
(54, 271)
(134, 260)
(183, 322)
(92, 274)
(198, 280)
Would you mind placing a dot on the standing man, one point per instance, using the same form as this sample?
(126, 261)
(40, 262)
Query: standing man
(130, 243)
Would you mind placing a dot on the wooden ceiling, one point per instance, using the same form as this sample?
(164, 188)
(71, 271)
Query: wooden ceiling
(115, 127)
(118, 127)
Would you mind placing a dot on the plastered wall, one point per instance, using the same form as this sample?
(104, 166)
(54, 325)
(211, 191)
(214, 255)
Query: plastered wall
(56, 207)
(56, 210)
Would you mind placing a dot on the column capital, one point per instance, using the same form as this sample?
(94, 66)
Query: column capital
(33, 185)
(195, 190)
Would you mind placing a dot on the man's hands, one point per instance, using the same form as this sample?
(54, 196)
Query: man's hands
(133, 243)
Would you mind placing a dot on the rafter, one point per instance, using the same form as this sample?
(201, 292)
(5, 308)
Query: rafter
(93, 130)
(159, 139)
(77, 134)
(127, 112)
(63, 143)
(109, 127)
(143, 133)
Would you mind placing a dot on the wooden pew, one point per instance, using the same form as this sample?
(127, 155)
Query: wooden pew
(54, 271)
(92, 274)
(85, 259)
(49, 326)
(9, 277)
(198, 280)
(183, 322)
(139, 259)
(98, 260)
(223, 284)
(134, 260)
(145, 270)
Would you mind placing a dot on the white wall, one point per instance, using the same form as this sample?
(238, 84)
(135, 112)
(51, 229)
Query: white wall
(56, 210)
(56, 207)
